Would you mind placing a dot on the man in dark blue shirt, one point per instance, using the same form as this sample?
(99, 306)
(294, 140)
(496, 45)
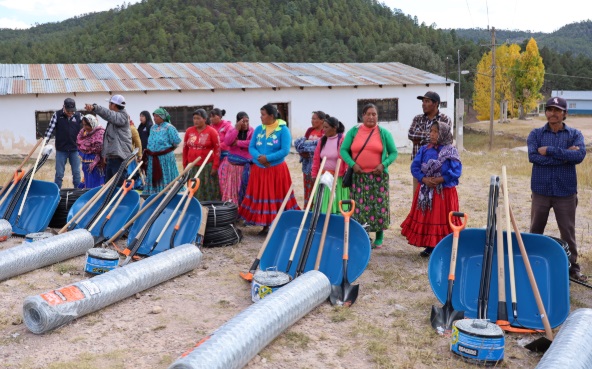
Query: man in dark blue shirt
(554, 150)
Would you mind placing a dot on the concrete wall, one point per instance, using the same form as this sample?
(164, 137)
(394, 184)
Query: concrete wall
(582, 107)
(17, 127)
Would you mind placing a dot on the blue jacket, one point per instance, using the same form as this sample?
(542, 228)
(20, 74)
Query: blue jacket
(451, 169)
(275, 147)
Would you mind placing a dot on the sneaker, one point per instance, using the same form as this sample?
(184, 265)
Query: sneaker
(426, 252)
(577, 275)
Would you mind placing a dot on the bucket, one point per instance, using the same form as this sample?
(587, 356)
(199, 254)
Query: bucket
(99, 261)
(37, 236)
(478, 341)
(266, 282)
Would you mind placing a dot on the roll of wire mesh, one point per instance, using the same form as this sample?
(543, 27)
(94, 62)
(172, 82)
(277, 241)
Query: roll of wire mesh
(220, 229)
(68, 197)
(33, 255)
(45, 312)
(5, 230)
(235, 343)
(571, 347)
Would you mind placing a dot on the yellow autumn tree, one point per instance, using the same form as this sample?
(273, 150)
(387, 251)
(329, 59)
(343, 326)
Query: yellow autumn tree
(505, 61)
(529, 74)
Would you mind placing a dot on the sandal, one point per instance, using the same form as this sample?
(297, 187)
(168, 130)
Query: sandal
(427, 252)
(578, 276)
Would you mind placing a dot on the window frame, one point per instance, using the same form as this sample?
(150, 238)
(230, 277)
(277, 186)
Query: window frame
(182, 116)
(392, 116)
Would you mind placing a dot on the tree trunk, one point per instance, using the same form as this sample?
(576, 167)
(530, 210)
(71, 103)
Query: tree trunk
(521, 113)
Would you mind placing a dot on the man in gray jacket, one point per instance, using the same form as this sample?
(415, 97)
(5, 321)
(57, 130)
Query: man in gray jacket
(117, 142)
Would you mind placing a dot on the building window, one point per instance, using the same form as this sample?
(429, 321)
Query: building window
(443, 104)
(388, 109)
(284, 111)
(572, 105)
(182, 116)
(42, 119)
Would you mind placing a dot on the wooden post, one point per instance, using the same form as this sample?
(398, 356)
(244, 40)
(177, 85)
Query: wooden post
(460, 113)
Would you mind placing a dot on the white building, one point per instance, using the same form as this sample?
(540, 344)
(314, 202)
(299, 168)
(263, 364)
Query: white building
(30, 93)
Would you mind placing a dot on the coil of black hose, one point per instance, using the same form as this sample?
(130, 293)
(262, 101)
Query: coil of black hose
(220, 213)
(68, 197)
(222, 236)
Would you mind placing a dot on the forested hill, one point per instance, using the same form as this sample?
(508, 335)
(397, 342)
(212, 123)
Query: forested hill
(224, 31)
(575, 38)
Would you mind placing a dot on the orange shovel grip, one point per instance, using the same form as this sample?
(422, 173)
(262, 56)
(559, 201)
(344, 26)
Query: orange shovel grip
(347, 214)
(456, 229)
(18, 175)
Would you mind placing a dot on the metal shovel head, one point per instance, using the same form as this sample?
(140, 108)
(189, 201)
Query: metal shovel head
(539, 345)
(443, 317)
(344, 295)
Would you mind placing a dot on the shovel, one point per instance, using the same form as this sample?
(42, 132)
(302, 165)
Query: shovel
(128, 185)
(20, 167)
(442, 318)
(345, 294)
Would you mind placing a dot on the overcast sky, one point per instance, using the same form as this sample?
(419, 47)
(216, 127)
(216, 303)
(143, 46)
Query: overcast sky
(546, 16)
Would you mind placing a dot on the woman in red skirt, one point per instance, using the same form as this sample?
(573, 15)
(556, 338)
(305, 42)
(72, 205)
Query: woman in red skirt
(269, 179)
(437, 168)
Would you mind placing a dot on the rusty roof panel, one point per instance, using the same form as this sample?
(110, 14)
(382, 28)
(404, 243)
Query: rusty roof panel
(70, 71)
(113, 85)
(136, 71)
(85, 71)
(131, 85)
(94, 85)
(35, 71)
(165, 70)
(149, 70)
(75, 85)
(118, 71)
(19, 86)
(52, 72)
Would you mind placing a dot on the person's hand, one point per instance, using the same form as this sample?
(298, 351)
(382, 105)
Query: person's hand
(378, 170)
(262, 159)
(429, 181)
(357, 169)
(543, 150)
(305, 155)
(89, 107)
(575, 148)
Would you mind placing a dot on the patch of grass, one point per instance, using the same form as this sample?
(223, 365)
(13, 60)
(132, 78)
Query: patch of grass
(224, 303)
(296, 340)
(63, 268)
(159, 327)
(165, 360)
(109, 360)
(341, 314)
(342, 351)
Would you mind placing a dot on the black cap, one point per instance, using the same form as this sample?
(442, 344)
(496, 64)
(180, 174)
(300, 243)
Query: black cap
(430, 95)
(557, 102)
(70, 105)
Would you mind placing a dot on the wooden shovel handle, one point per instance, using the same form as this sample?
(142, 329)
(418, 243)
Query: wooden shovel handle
(327, 215)
(22, 164)
(192, 189)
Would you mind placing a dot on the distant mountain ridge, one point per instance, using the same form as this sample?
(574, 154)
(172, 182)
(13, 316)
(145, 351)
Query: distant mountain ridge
(575, 38)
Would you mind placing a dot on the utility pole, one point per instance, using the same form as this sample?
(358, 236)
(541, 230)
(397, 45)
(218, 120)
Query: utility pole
(491, 107)
(458, 56)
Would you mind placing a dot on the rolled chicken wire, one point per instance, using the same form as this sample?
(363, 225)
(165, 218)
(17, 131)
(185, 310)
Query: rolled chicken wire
(5, 229)
(34, 255)
(571, 347)
(235, 343)
(50, 310)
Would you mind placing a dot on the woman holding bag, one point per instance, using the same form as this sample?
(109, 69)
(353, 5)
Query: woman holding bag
(328, 147)
(368, 150)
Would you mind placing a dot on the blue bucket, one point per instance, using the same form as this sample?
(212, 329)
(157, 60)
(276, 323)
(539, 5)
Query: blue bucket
(99, 261)
(478, 341)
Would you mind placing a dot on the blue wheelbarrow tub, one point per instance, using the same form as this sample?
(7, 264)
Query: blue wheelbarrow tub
(187, 232)
(42, 201)
(125, 211)
(280, 245)
(550, 268)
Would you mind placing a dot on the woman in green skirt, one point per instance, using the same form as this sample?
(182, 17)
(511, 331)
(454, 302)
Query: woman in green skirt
(328, 146)
(369, 149)
(199, 141)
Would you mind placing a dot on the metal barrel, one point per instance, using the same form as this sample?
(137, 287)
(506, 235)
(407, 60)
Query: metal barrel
(235, 343)
(34, 255)
(571, 347)
(52, 309)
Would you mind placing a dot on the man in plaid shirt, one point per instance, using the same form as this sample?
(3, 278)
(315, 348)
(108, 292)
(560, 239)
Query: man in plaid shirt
(419, 132)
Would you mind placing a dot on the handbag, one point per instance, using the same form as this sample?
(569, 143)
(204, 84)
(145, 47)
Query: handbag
(349, 173)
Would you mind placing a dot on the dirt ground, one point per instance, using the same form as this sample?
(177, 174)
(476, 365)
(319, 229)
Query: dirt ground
(387, 327)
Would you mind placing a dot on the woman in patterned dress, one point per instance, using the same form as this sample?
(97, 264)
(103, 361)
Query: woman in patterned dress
(159, 156)
(90, 144)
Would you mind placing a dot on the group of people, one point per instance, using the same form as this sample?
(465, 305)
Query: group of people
(247, 165)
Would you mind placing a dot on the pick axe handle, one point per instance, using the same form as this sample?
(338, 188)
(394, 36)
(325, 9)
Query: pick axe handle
(154, 199)
(533, 283)
(22, 164)
(327, 215)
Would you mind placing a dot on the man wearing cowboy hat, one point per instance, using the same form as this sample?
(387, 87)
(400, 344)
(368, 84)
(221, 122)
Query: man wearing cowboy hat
(554, 151)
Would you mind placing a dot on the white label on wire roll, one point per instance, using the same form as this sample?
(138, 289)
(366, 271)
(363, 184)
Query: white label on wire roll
(91, 287)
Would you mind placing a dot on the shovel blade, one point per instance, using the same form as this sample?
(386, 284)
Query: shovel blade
(350, 294)
(336, 296)
(539, 345)
(246, 276)
(443, 317)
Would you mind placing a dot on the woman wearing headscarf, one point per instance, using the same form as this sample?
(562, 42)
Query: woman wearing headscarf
(437, 168)
(234, 171)
(159, 156)
(328, 147)
(270, 179)
(90, 144)
(198, 142)
(305, 146)
(369, 149)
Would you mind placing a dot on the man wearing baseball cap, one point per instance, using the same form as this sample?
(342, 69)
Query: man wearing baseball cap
(554, 151)
(419, 132)
(65, 124)
(117, 144)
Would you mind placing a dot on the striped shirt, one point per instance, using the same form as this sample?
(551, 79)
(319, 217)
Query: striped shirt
(554, 174)
(419, 132)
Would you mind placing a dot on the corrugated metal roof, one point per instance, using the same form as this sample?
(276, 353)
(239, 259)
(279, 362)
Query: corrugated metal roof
(18, 79)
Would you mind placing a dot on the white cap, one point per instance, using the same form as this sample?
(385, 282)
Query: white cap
(117, 100)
